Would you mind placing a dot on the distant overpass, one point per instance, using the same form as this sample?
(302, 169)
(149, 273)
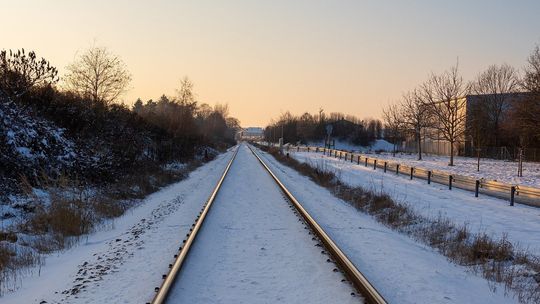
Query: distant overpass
(251, 133)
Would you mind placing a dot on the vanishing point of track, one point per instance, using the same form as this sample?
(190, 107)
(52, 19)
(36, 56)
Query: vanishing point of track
(359, 281)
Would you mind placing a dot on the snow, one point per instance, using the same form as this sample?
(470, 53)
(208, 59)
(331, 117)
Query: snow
(253, 249)
(125, 261)
(403, 270)
(490, 169)
(483, 214)
(377, 145)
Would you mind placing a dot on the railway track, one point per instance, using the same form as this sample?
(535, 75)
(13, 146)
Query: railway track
(357, 279)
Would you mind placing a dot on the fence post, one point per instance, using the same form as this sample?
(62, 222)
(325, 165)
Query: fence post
(366, 161)
(450, 178)
(512, 195)
(375, 164)
(429, 177)
(476, 188)
(412, 172)
(397, 169)
(385, 165)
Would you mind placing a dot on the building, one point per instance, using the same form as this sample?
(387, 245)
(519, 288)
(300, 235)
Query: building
(251, 134)
(434, 143)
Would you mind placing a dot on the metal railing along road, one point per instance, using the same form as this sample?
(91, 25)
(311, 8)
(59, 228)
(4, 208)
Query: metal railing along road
(513, 193)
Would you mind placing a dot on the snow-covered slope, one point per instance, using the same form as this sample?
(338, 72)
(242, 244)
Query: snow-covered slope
(30, 146)
(123, 262)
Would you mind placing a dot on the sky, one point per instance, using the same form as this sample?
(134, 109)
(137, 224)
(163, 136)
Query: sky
(264, 58)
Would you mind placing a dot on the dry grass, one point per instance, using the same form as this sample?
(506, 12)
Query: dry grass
(496, 260)
(71, 210)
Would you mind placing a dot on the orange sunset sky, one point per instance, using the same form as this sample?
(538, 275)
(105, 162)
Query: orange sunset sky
(266, 57)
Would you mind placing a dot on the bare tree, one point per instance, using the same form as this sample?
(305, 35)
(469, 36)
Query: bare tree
(19, 72)
(185, 94)
(527, 113)
(531, 81)
(444, 97)
(416, 117)
(393, 124)
(98, 74)
(493, 85)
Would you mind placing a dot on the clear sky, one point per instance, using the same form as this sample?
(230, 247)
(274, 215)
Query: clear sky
(266, 57)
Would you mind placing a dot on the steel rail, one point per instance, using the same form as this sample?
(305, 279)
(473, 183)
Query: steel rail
(360, 282)
(163, 291)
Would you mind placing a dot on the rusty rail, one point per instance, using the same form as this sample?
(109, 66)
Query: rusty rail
(360, 282)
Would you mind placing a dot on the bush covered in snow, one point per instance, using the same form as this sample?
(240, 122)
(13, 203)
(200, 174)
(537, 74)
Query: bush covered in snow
(30, 145)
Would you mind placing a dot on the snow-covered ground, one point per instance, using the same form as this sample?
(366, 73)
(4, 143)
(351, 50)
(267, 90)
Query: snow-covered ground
(490, 169)
(253, 249)
(483, 214)
(124, 263)
(377, 145)
(403, 270)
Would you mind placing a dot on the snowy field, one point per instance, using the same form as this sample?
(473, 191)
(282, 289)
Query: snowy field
(403, 270)
(490, 169)
(377, 145)
(483, 214)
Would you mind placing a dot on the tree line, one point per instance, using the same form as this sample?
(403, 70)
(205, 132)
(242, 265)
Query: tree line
(111, 138)
(505, 111)
(312, 127)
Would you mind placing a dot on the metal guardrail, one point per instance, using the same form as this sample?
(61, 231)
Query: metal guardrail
(360, 282)
(514, 193)
(162, 292)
